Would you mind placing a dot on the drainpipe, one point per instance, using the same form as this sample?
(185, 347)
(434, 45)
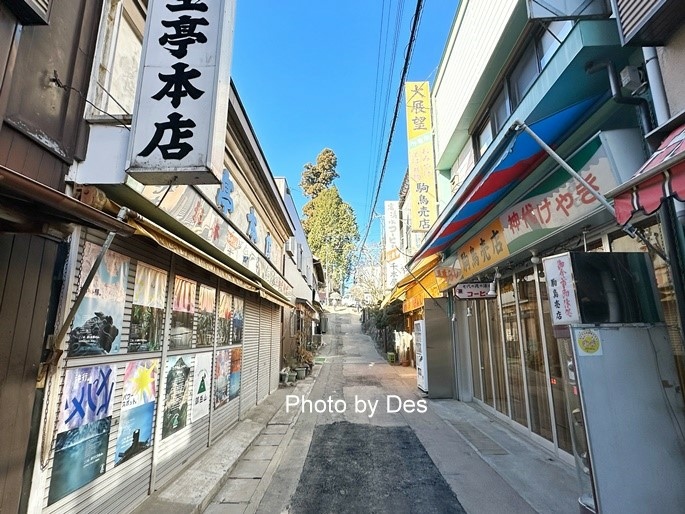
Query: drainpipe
(656, 85)
(671, 212)
(617, 95)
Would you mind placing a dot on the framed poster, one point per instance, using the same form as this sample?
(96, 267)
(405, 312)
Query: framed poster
(234, 385)
(98, 321)
(137, 409)
(222, 373)
(202, 378)
(83, 427)
(176, 397)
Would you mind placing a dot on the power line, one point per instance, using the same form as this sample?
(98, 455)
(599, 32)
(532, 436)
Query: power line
(405, 68)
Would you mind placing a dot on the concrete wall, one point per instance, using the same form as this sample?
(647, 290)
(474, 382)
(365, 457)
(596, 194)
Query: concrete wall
(672, 60)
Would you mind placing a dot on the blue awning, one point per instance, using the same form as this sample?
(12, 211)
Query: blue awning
(514, 159)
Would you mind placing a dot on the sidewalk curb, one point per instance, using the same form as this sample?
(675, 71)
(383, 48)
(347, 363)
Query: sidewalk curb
(192, 491)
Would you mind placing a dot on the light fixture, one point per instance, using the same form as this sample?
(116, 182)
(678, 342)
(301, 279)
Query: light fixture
(498, 275)
(493, 288)
(469, 312)
(535, 259)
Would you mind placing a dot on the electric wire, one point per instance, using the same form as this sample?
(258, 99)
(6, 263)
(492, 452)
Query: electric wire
(383, 90)
(378, 86)
(407, 60)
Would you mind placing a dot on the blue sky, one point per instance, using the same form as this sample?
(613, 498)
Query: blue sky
(315, 74)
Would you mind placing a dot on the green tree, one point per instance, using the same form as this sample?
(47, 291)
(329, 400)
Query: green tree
(319, 176)
(332, 234)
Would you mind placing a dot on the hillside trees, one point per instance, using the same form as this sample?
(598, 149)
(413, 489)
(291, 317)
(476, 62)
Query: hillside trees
(329, 222)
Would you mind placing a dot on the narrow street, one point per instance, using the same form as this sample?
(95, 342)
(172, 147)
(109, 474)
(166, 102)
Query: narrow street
(359, 437)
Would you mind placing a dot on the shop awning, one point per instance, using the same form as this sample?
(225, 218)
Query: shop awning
(662, 176)
(187, 251)
(498, 174)
(27, 204)
(418, 273)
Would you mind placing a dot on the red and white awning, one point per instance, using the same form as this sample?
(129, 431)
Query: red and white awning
(662, 176)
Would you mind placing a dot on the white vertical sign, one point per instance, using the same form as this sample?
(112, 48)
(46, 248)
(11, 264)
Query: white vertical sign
(394, 260)
(392, 225)
(180, 115)
(420, 352)
(561, 289)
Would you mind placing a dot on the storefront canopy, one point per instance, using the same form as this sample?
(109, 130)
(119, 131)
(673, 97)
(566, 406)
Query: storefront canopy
(662, 176)
(419, 271)
(28, 205)
(507, 166)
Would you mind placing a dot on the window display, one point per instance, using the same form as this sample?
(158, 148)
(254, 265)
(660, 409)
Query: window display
(205, 316)
(183, 311)
(225, 319)
(98, 321)
(147, 313)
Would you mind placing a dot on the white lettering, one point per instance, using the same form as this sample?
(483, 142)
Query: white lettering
(372, 407)
(340, 406)
(291, 401)
(388, 403)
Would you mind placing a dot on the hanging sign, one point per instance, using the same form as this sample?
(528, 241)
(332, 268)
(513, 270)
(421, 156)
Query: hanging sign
(473, 291)
(561, 289)
(422, 186)
(180, 114)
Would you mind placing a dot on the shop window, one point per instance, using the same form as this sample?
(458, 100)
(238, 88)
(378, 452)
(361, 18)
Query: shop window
(500, 111)
(147, 313)
(117, 79)
(500, 388)
(557, 357)
(534, 357)
(519, 79)
(512, 348)
(484, 345)
(225, 319)
(523, 75)
(205, 316)
(620, 242)
(182, 314)
(551, 39)
(484, 138)
(238, 320)
(476, 368)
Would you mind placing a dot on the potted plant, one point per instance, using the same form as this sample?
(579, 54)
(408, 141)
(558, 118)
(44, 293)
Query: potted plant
(291, 365)
(306, 359)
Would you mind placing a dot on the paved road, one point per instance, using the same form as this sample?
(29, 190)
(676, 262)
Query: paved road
(371, 447)
(353, 455)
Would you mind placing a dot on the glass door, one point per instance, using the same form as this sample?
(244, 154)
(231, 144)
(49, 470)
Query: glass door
(512, 345)
(534, 358)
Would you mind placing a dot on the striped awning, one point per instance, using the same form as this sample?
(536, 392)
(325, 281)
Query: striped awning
(662, 176)
(492, 183)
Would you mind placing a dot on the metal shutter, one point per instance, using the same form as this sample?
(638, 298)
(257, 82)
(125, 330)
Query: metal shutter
(248, 373)
(126, 485)
(263, 376)
(275, 347)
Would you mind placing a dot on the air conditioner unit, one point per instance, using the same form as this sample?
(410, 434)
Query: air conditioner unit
(290, 246)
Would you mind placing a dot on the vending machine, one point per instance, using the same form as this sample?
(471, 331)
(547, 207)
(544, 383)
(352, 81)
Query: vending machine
(624, 400)
(420, 351)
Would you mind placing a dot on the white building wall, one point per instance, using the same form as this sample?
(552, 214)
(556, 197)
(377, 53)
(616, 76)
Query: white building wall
(300, 277)
(467, 53)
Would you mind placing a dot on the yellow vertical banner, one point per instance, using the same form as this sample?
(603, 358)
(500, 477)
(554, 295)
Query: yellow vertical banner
(422, 187)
